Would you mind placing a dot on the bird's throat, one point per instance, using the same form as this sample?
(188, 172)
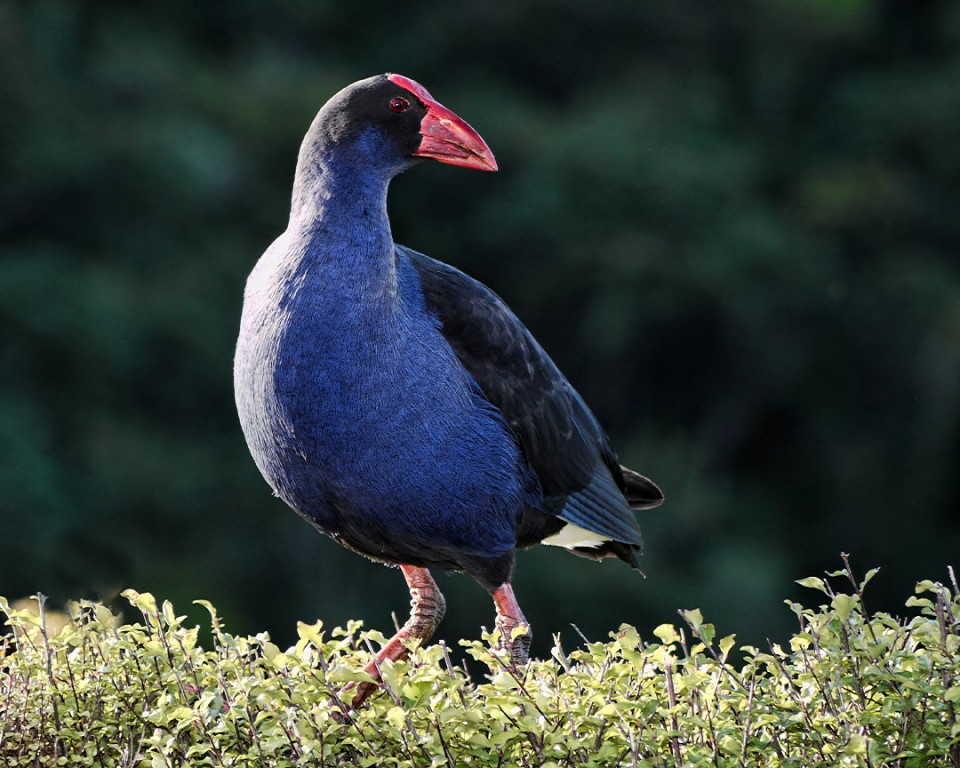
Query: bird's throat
(339, 215)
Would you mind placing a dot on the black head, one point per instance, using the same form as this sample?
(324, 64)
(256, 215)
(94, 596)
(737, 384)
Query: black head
(393, 121)
(374, 104)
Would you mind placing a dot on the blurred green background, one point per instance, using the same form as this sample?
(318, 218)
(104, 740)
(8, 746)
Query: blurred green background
(735, 226)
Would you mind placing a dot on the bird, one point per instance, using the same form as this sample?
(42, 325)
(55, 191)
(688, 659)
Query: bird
(399, 405)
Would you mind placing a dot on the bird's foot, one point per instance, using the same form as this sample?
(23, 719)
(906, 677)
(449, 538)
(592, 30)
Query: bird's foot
(516, 645)
(515, 632)
(427, 607)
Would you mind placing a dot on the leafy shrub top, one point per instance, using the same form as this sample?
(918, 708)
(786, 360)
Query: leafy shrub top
(850, 688)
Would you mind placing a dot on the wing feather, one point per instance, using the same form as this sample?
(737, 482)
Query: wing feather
(561, 439)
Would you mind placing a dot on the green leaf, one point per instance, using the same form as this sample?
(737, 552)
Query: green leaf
(843, 605)
(695, 617)
(730, 745)
(868, 577)
(209, 608)
(346, 674)
(800, 641)
(169, 615)
(727, 643)
(180, 713)
(813, 582)
(146, 602)
(396, 717)
(919, 602)
(667, 633)
(310, 632)
(857, 745)
(707, 633)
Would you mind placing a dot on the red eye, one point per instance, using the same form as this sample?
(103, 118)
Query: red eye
(399, 104)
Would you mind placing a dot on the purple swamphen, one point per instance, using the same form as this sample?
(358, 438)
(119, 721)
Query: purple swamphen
(399, 405)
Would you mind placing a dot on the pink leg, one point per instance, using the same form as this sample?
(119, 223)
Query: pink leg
(427, 607)
(510, 617)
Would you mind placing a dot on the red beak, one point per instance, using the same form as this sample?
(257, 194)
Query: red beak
(446, 137)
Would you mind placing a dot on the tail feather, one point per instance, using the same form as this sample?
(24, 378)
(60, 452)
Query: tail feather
(641, 492)
(626, 552)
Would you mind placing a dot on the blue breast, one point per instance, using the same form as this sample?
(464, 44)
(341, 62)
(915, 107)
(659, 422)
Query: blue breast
(361, 417)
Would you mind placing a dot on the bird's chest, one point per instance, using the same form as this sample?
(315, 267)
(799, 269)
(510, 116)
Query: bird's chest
(362, 387)
(364, 413)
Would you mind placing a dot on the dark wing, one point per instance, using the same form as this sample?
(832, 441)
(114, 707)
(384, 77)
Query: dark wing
(561, 439)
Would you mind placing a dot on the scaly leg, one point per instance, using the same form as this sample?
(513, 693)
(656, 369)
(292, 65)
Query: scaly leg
(427, 607)
(510, 617)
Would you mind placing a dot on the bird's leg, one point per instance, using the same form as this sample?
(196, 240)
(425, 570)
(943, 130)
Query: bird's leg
(427, 607)
(509, 618)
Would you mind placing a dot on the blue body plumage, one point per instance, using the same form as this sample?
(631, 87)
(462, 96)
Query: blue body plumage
(369, 426)
(394, 402)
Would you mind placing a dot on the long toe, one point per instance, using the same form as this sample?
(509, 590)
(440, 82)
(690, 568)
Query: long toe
(516, 647)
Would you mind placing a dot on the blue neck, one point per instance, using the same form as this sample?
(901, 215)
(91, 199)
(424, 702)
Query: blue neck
(339, 212)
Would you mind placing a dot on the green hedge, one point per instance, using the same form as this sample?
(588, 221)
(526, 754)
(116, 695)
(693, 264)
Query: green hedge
(851, 688)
